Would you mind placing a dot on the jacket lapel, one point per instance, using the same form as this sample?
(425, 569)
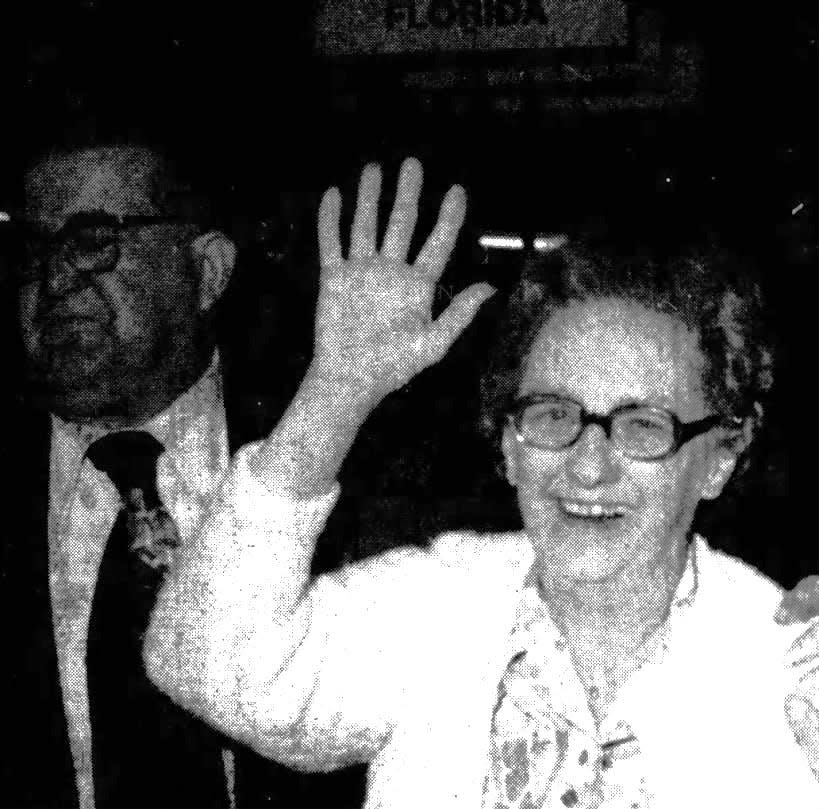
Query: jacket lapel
(36, 764)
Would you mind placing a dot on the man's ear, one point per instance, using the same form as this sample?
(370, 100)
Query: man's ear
(509, 445)
(214, 254)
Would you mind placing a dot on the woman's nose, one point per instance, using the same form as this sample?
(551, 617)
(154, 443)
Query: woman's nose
(591, 460)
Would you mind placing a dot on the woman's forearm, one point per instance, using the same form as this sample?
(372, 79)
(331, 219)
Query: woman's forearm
(229, 607)
(303, 455)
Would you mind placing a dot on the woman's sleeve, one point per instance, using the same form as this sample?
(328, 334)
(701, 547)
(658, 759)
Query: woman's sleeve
(308, 674)
(802, 702)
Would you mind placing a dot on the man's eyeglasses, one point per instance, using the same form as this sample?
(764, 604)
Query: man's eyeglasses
(639, 431)
(91, 242)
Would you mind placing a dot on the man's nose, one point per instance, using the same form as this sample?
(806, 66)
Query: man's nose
(62, 275)
(591, 460)
(72, 265)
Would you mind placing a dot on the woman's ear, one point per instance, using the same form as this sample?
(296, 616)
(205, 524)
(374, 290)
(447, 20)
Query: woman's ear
(214, 255)
(725, 454)
(721, 464)
(510, 448)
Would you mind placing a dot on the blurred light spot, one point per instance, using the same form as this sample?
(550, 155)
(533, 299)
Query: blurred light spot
(798, 208)
(496, 241)
(5, 217)
(545, 243)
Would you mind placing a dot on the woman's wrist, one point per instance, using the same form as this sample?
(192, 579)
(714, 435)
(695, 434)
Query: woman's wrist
(350, 394)
(303, 455)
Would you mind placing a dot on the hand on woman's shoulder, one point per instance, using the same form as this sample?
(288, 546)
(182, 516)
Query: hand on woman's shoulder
(800, 610)
(800, 604)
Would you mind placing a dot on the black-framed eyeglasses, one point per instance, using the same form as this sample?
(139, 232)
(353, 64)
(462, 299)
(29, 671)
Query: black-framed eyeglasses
(640, 431)
(89, 241)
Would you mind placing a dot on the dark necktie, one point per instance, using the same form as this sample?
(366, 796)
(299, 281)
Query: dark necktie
(147, 752)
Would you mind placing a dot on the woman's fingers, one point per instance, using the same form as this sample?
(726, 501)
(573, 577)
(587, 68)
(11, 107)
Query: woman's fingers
(365, 220)
(455, 318)
(329, 235)
(803, 650)
(438, 247)
(804, 721)
(404, 212)
(363, 235)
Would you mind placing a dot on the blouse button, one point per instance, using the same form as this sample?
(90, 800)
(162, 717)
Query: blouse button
(87, 498)
(569, 798)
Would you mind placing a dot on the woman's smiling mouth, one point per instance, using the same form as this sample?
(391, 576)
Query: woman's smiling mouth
(590, 510)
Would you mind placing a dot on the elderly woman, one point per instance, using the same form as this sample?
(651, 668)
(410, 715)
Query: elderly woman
(602, 657)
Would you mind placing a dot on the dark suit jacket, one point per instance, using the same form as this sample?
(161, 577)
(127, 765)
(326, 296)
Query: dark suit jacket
(36, 768)
(391, 494)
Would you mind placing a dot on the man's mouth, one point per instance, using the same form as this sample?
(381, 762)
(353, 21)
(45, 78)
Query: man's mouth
(62, 329)
(592, 511)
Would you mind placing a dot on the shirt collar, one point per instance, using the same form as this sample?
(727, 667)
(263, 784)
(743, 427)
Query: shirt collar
(688, 585)
(192, 430)
(534, 623)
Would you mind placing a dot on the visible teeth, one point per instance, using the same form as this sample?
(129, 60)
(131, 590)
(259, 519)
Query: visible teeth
(591, 509)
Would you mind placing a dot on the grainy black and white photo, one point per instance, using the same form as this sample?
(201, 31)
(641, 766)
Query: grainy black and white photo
(410, 404)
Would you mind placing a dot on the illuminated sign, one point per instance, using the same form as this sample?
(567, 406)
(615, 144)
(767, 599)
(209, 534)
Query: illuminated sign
(345, 28)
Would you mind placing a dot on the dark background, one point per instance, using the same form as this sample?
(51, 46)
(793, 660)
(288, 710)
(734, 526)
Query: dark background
(716, 133)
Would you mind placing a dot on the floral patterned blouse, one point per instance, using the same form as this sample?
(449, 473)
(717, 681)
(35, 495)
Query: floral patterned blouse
(547, 750)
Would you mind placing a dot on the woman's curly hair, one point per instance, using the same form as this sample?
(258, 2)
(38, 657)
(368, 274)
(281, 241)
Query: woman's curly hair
(713, 293)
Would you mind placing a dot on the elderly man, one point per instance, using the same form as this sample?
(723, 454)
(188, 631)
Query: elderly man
(111, 471)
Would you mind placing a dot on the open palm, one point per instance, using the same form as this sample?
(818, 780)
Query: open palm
(374, 321)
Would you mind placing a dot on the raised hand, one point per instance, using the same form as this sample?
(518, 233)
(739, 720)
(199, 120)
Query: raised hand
(374, 324)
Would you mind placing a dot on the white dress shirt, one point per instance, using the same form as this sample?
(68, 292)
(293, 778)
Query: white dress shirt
(83, 506)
